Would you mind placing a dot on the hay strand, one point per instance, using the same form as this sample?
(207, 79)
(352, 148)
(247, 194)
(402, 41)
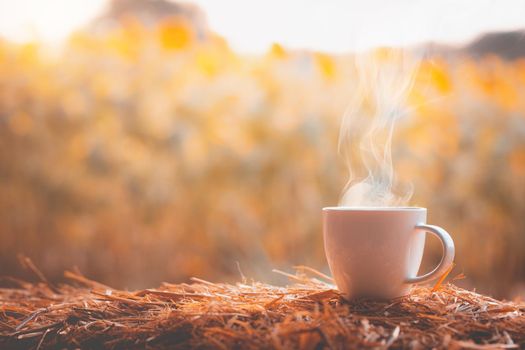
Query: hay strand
(308, 315)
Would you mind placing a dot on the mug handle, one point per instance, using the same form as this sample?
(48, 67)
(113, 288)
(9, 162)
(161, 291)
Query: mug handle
(448, 254)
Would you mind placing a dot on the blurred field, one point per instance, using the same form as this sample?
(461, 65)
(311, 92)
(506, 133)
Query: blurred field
(147, 154)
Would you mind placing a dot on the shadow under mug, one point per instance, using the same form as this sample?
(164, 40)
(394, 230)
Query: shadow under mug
(376, 252)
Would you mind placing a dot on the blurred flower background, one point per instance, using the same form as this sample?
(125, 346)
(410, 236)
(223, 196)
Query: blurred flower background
(146, 149)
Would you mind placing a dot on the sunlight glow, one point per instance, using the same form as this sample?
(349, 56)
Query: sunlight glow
(252, 26)
(50, 21)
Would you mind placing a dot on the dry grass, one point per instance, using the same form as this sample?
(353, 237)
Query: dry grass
(309, 314)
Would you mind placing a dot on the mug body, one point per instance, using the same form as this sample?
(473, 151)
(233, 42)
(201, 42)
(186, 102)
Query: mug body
(372, 251)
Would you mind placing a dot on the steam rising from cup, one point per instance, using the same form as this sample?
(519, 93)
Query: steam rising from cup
(384, 80)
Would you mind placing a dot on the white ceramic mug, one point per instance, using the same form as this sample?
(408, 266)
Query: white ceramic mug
(376, 252)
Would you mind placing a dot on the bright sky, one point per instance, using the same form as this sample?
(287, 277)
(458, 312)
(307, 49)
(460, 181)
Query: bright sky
(329, 25)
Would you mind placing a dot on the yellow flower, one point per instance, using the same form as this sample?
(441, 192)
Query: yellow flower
(175, 34)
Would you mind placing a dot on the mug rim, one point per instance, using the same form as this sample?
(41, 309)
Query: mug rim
(349, 208)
